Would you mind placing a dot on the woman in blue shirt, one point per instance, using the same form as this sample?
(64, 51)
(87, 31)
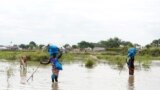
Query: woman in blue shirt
(55, 54)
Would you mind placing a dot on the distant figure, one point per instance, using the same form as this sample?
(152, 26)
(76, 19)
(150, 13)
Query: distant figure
(23, 62)
(55, 54)
(130, 60)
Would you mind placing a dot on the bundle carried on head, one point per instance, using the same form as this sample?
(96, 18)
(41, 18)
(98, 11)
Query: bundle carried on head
(53, 49)
(132, 52)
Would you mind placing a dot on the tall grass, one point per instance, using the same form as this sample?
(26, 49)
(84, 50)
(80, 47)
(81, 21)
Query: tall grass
(13, 55)
(39, 55)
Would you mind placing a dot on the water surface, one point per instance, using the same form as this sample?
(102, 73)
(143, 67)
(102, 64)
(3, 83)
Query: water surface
(77, 77)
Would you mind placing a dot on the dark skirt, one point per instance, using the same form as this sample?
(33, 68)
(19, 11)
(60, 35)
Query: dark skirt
(131, 65)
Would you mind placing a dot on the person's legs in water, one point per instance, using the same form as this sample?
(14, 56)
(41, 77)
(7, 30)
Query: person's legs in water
(131, 71)
(131, 66)
(53, 77)
(56, 78)
(56, 72)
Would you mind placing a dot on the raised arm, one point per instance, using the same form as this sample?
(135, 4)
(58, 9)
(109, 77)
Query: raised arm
(41, 62)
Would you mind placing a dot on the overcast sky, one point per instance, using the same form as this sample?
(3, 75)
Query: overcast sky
(71, 21)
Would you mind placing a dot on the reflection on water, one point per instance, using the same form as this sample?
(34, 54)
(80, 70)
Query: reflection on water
(23, 75)
(131, 82)
(9, 74)
(54, 86)
(76, 77)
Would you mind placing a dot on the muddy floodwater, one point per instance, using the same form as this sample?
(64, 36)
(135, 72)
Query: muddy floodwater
(75, 76)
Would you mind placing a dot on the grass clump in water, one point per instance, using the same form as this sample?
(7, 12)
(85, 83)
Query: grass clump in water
(89, 63)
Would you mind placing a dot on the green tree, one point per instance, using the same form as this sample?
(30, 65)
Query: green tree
(148, 46)
(32, 45)
(74, 46)
(155, 43)
(126, 44)
(111, 43)
(23, 46)
(41, 46)
(84, 44)
(66, 46)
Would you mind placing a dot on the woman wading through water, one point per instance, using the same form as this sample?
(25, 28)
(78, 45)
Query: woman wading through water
(55, 55)
(130, 61)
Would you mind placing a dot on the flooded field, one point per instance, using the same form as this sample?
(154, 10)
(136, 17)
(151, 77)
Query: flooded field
(75, 76)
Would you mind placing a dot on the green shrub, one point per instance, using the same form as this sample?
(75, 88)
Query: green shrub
(152, 52)
(89, 63)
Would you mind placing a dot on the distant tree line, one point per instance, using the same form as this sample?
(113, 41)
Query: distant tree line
(152, 49)
(154, 43)
(109, 43)
(32, 45)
